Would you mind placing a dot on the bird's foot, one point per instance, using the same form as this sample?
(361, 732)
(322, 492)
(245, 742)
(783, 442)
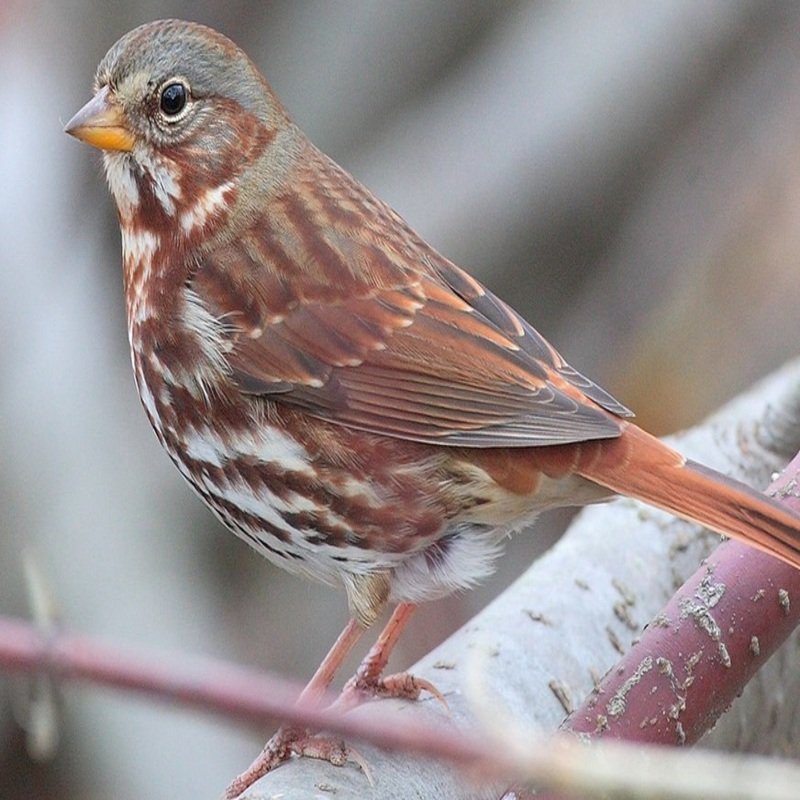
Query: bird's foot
(402, 685)
(368, 683)
(292, 741)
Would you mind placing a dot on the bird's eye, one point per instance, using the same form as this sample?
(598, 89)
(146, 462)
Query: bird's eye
(173, 99)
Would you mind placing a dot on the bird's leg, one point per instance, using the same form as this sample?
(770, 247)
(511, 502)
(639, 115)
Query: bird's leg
(367, 596)
(368, 680)
(290, 739)
(326, 671)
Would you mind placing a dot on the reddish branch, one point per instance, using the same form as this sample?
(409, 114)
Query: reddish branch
(694, 659)
(209, 686)
(213, 686)
(222, 688)
(696, 656)
(257, 696)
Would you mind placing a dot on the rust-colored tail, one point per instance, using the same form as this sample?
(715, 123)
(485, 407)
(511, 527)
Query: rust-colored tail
(639, 465)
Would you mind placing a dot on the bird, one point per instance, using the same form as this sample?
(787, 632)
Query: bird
(351, 403)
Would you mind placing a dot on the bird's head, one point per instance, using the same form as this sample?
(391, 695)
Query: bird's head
(181, 115)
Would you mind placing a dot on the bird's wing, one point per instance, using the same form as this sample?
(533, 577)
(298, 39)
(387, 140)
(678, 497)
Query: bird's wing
(387, 336)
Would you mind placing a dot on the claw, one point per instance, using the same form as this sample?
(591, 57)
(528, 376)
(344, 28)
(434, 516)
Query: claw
(402, 685)
(289, 741)
(410, 687)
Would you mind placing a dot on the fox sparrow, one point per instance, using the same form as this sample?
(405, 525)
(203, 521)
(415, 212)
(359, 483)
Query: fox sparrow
(344, 398)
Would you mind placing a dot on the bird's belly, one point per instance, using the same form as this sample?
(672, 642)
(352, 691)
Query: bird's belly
(313, 498)
(265, 488)
(327, 501)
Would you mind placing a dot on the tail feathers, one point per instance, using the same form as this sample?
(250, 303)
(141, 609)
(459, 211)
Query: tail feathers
(639, 465)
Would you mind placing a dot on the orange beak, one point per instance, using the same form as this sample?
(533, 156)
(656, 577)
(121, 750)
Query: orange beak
(102, 123)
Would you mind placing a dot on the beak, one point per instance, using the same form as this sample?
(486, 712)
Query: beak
(102, 123)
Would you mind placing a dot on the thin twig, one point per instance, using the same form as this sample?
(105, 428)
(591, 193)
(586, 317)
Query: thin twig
(555, 762)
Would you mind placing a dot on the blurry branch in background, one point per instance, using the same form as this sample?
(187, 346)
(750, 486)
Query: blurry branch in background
(38, 715)
(498, 750)
(515, 667)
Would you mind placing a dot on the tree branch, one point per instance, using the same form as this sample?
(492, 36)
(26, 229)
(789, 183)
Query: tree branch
(493, 754)
(563, 624)
(697, 655)
(540, 644)
(692, 661)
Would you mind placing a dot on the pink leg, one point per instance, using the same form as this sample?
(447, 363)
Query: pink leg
(326, 671)
(377, 658)
(367, 682)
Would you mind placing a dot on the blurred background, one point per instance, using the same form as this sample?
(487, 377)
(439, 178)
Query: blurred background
(627, 174)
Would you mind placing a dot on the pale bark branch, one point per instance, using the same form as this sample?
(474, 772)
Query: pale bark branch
(542, 645)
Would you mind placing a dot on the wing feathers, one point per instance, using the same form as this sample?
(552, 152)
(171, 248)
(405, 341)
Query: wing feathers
(386, 335)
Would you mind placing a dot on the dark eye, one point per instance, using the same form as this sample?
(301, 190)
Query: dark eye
(173, 99)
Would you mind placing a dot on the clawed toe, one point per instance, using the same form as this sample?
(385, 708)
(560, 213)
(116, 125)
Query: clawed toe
(402, 685)
(297, 741)
(288, 742)
(410, 687)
